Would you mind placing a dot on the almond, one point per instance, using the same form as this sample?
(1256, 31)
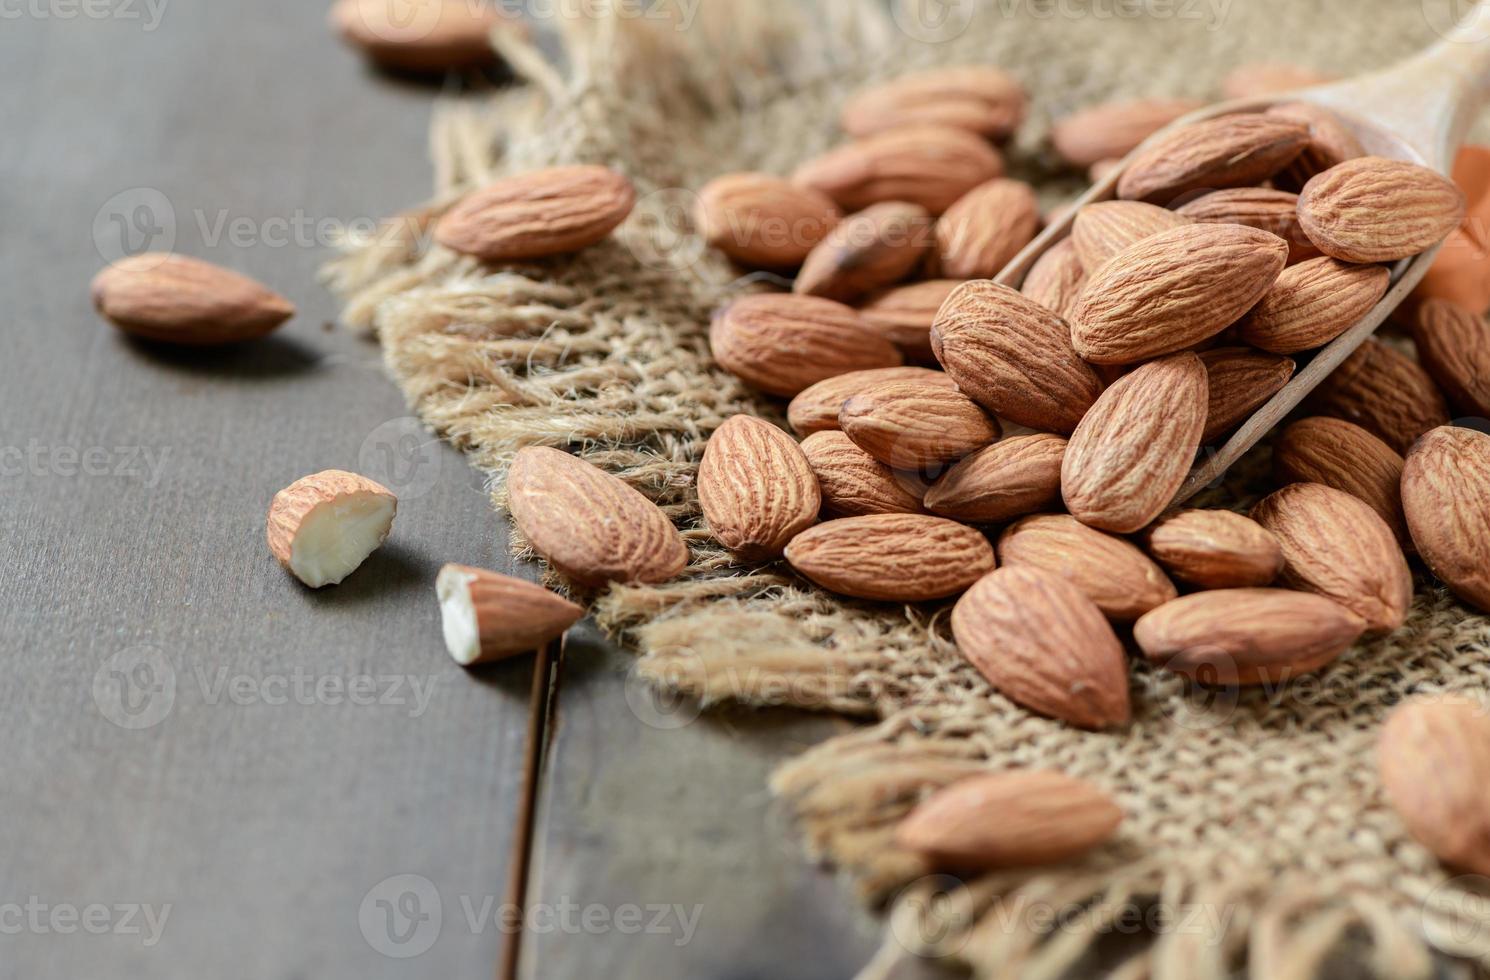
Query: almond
(1232, 637)
(1003, 481)
(1215, 549)
(1114, 129)
(1044, 645)
(1106, 228)
(1372, 209)
(976, 98)
(1056, 279)
(1262, 208)
(904, 315)
(590, 525)
(1228, 151)
(1446, 495)
(1454, 348)
(986, 228)
(1312, 303)
(892, 557)
(488, 617)
(782, 344)
(1335, 453)
(914, 425)
(816, 408)
(1174, 290)
(756, 488)
(1128, 457)
(1014, 357)
(1010, 819)
(1240, 380)
(178, 300)
(420, 36)
(876, 247)
(927, 165)
(854, 483)
(1335, 545)
(1331, 143)
(1111, 572)
(322, 527)
(1257, 79)
(1434, 758)
(535, 215)
(1102, 169)
(1384, 392)
(763, 221)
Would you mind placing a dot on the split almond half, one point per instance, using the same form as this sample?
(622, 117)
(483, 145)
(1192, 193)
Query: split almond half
(488, 617)
(322, 527)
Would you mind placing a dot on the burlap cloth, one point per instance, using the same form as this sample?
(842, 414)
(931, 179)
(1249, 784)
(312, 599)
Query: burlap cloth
(1256, 830)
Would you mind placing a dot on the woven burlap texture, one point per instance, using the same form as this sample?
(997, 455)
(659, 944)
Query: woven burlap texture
(1255, 823)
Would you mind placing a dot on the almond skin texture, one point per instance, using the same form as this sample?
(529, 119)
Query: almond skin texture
(1174, 290)
(1229, 151)
(1240, 380)
(589, 524)
(986, 228)
(783, 344)
(489, 617)
(1454, 348)
(1229, 637)
(1335, 545)
(1372, 209)
(976, 98)
(756, 488)
(322, 527)
(174, 299)
(1338, 454)
(1108, 570)
(904, 315)
(1003, 481)
(762, 221)
(1312, 303)
(1256, 79)
(1446, 494)
(854, 483)
(876, 247)
(1010, 819)
(1127, 459)
(1106, 228)
(927, 165)
(1056, 279)
(892, 557)
(1044, 645)
(1113, 130)
(1384, 392)
(1331, 143)
(816, 408)
(535, 215)
(419, 37)
(913, 425)
(1434, 760)
(1267, 210)
(1215, 549)
(1014, 357)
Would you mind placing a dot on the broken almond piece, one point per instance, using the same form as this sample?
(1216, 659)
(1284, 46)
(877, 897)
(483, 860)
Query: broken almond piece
(488, 617)
(323, 526)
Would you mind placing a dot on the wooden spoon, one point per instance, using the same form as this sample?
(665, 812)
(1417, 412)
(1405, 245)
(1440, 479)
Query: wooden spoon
(1417, 111)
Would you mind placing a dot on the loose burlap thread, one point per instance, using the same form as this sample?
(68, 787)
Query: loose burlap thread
(1256, 832)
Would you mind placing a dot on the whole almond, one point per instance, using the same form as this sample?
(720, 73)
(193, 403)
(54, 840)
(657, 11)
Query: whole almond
(1232, 637)
(1446, 495)
(1312, 303)
(1014, 357)
(904, 315)
(421, 37)
(1120, 579)
(488, 617)
(1384, 392)
(977, 98)
(874, 248)
(1228, 151)
(590, 525)
(915, 425)
(1255, 79)
(1215, 549)
(1044, 645)
(174, 299)
(1335, 545)
(1262, 208)
(1434, 758)
(986, 228)
(1008, 479)
(1114, 129)
(1331, 143)
(1056, 279)
(1338, 454)
(1372, 209)
(1453, 346)
(854, 483)
(756, 488)
(1010, 819)
(816, 408)
(782, 344)
(1104, 229)
(1240, 380)
(1128, 457)
(892, 557)
(538, 214)
(763, 221)
(927, 165)
(1174, 290)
